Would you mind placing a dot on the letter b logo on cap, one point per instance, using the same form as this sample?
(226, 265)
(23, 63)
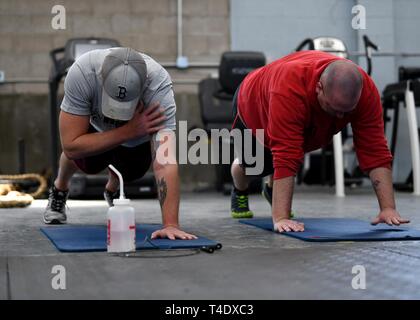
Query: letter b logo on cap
(122, 93)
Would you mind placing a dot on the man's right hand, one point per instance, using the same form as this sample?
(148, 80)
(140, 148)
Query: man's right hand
(287, 225)
(146, 122)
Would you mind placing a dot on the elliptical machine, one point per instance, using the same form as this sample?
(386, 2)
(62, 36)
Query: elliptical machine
(216, 95)
(83, 185)
(406, 91)
(340, 177)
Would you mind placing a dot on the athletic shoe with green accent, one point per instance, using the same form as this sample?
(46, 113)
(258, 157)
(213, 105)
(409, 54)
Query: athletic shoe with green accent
(239, 205)
(267, 193)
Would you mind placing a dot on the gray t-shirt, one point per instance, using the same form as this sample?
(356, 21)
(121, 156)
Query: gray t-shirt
(83, 92)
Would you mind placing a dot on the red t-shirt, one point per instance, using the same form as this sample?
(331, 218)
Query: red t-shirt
(281, 99)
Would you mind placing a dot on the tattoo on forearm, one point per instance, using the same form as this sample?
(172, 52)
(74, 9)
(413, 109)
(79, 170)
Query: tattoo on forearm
(162, 191)
(376, 184)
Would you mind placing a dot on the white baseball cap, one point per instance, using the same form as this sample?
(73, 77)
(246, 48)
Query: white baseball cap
(124, 75)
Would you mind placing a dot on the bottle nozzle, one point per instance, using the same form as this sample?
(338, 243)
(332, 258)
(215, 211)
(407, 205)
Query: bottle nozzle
(120, 178)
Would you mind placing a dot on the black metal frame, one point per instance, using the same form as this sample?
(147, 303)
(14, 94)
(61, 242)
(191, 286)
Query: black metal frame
(392, 95)
(59, 69)
(368, 47)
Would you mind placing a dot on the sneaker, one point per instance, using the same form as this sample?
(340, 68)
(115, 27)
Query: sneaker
(110, 196)
(239, 205)
(55, 213)
(267, 193)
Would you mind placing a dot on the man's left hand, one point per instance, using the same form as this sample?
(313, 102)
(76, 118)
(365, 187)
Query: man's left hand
(390, 217)
(172, 233)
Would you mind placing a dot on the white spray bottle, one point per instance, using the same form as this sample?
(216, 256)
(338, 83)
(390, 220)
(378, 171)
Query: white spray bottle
(121, 235)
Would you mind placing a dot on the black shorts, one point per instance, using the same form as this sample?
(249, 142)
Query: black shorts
(268, 168)
(132, 163)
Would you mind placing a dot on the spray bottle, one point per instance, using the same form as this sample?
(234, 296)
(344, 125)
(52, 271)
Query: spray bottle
(121, 235)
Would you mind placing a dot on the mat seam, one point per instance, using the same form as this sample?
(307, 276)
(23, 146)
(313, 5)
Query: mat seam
(400, 253)
(8, 285)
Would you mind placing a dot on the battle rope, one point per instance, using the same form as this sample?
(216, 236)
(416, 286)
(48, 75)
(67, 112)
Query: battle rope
(10, 198)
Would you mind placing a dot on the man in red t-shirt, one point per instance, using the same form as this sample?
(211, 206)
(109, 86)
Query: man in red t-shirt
(300, 101)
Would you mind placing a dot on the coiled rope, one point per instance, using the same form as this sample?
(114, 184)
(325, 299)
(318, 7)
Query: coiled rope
(10, 198)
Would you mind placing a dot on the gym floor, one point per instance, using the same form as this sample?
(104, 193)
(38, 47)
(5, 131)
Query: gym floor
(253, 263)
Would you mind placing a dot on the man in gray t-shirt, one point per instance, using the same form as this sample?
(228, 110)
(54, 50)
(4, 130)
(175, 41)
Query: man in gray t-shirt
(118, 107)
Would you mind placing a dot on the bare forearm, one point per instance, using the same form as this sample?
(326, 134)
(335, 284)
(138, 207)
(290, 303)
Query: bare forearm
(95, 143)
(282, 198)
(382, 184)
(167, 180)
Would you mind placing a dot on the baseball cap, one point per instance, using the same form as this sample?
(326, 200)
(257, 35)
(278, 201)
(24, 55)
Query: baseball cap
(124, 75)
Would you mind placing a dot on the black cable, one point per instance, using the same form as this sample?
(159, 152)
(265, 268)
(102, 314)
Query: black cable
(191, 251)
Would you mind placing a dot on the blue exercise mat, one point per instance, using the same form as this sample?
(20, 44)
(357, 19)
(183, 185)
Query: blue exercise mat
(341, 229)
(93, 238)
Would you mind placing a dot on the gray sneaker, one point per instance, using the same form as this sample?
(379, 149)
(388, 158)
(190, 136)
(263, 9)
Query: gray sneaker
(55, 213)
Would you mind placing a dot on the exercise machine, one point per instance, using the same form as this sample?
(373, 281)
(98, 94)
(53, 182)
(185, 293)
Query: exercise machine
(215, 97)
(83, 185)
(405, 92)
(337, 47)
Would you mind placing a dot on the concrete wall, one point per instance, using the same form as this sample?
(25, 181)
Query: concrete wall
(150, 26)
(210, 27)
(276, 27)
